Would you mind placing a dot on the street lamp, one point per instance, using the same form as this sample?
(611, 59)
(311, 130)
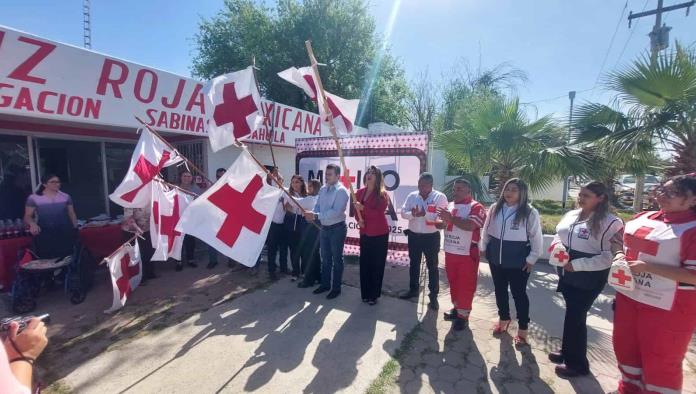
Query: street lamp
(566, 181)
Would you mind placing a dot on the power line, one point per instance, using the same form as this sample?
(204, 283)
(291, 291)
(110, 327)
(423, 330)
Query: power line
(555, 97)
(611, 43)
(629, 36)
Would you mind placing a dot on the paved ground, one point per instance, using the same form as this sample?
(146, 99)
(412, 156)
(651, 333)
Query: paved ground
(228, 330)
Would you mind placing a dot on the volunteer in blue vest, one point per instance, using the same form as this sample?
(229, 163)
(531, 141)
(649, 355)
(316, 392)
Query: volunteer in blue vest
(589, 236)
(463, 220)
(331, 212)
(420, 209)
(512, 242)
(654, 323)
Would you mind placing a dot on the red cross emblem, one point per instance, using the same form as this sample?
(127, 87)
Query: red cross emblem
(335, 112)
(637, 243)
(234, 110)
(562, 256)
(621, 277)
(168, 226)
(239, 210)
(127, 272)
(146, 171)
(347, 180)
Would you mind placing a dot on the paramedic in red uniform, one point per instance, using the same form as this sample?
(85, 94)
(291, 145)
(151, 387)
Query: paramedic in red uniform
(654, 323)
(463, 220)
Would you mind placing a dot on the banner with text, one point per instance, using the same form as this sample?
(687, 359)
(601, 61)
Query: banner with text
(401, 157)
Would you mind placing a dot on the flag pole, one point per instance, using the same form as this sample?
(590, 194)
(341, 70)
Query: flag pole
(275, 179)
(332, 125)
(162, 181)
(189, 162)
(258, 87)
(119, 248)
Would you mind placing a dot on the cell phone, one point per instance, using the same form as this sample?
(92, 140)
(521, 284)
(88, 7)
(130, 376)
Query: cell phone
(23, 322)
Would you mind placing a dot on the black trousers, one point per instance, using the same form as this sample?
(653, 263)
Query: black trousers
(277, 242)
(428, 245)
(294, 239)
(516, 280)
(189, 247)
(146, 252)
(373, 258)
(310, 256)
(574, 348)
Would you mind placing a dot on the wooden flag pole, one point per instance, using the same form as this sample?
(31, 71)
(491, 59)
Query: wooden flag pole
(119, 248)
(275, 179)
(258, 87)
(332, 125)
(189, 162)
(162, 181)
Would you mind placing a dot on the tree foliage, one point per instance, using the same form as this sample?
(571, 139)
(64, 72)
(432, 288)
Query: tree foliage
(342, 34)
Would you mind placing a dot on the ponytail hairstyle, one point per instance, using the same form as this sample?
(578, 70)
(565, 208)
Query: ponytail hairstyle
(685, 184)
(44, 181)
(601, 210)
(523, 209)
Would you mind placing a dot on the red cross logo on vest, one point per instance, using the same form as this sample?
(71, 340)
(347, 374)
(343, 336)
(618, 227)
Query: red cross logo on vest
(146, 171)
(621, 276)
(335, 111)
(450, 226)
(562, 256)
(637, 243)
(347, 180)
(127, 272)
(235, 111)
(168, 226)
(239, 210)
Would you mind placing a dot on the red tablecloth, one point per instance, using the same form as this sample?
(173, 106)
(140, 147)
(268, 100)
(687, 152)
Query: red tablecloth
(100, 241)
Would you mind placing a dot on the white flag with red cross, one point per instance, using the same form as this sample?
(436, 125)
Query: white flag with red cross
(341, 110)
(126, 271)
(150, 156)
(233, 104)
(234, 215)
(167, 207)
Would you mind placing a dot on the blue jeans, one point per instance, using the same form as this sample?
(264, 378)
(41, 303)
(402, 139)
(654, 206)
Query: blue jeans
(331, 249)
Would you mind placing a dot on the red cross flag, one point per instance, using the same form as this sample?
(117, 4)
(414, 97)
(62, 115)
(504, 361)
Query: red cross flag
(150, 156)
(167, 207)
(341, 110)
(234, 104)
(126, 271)
(234, 215)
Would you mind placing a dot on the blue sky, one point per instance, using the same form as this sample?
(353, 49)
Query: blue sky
(560, 44)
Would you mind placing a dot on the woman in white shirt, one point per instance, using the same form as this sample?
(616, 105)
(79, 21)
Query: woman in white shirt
(309, 243)
(588, 236)
(512, 243)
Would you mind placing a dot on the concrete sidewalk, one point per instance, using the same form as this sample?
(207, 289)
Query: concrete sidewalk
(277, 340)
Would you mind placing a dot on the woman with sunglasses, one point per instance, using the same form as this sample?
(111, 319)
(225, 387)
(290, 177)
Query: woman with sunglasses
(372, 202)
(586, 239)
(50, 215)
(654, 322)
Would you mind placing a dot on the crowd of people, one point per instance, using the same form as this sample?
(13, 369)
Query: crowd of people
(652, 326)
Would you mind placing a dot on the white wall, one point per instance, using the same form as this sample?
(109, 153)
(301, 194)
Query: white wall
(554, 192)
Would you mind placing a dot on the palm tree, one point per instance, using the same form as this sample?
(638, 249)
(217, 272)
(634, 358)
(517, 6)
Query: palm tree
(655, 105)
(493, 135)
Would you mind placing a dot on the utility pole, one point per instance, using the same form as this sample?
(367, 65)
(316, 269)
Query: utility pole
(659, 40)
(87, 23)
(566, 181)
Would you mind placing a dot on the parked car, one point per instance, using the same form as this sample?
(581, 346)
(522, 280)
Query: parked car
(626, 185)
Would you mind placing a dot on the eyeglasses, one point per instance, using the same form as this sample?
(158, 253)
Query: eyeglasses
(665, 191)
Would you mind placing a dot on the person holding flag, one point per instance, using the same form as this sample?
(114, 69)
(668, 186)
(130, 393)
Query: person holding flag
(330, 210)
(186, 183)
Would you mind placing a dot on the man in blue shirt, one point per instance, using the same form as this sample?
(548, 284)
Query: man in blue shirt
(330, 210)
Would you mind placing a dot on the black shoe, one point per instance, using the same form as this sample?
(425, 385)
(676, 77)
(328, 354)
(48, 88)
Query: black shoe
(567, 372)
(211, 265)
(191, 264)
(372, 302)
(320, 290)
(294, 278)
(450, 315)
(333, 294)
(272, 276)
(409, 294)
(433, 304)
(303, 285)
(556, 358)
(179, 266)
(459, 324)
(365, 300)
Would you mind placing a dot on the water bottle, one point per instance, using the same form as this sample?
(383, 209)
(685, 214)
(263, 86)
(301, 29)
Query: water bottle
(2, 229)
(9, 228)
(19, 227)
